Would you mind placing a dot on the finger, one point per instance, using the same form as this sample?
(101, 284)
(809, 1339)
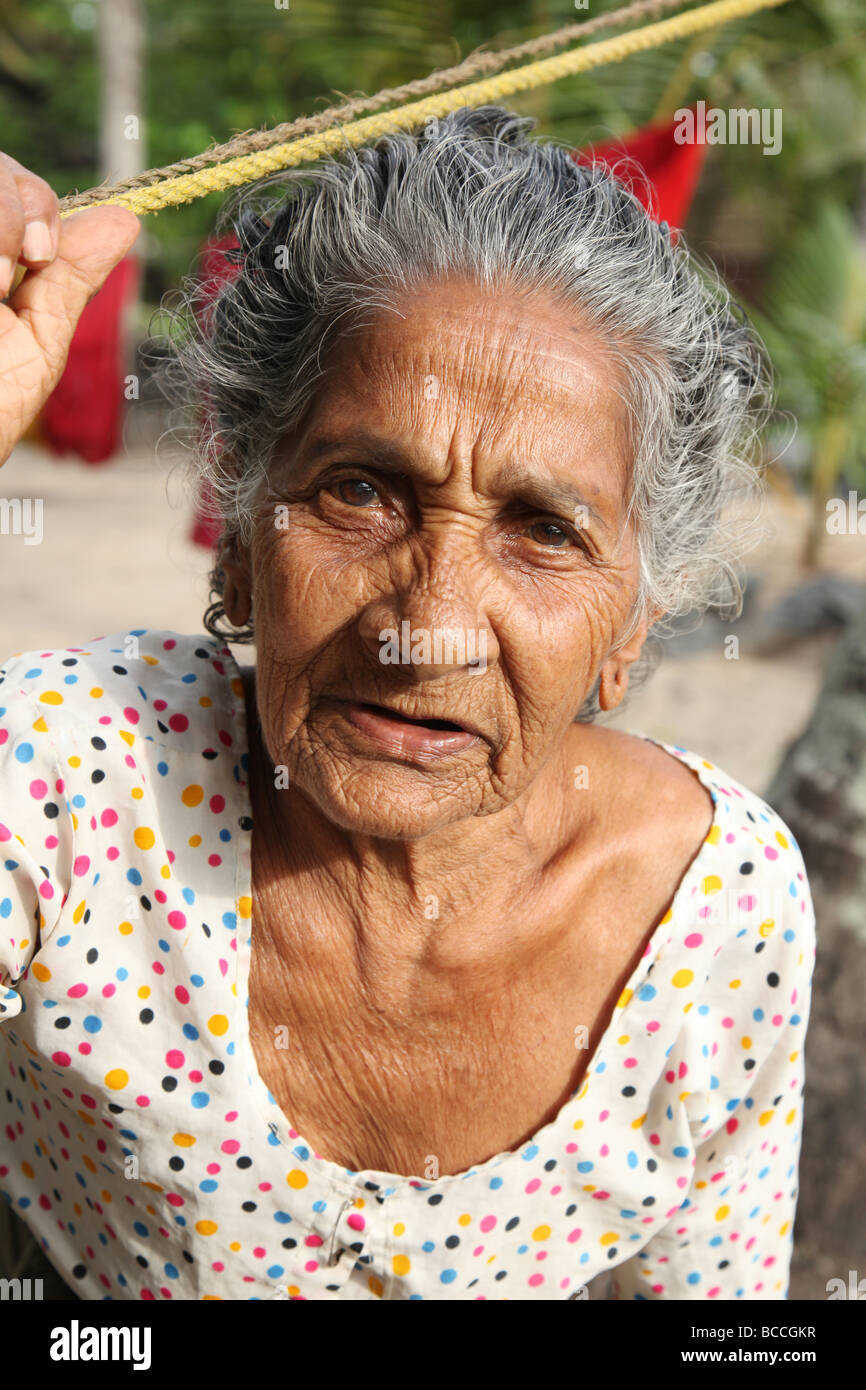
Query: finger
(11, 225)
(41, 214)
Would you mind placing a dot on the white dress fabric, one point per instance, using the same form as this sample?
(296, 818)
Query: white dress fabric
(142, 1148)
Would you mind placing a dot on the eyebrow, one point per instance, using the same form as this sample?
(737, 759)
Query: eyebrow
(513, 477)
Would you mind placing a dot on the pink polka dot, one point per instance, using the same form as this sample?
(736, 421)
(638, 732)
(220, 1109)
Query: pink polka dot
(174, 1199)
(174, 1058)
(169, 643)
(217, 804)
(630, 1062)
(108, 991)
(81, 865)
(533, 1185)
(112, 852)
(108, 817)
(230, 1146)
(38, 789)
(181, 995)
(176, 920)
(45, 889)
(259, 1251)
(313, 1240)
(130, 715)
(535, 1279)
(195, 1076)
(694, 939)
(356, 1222)
(575, 1234)
(770, 852)
(727, 1023)
(214, 860)
(77, 991)
(62, 1059)
(51, 842)
(747, 902)
(179, 723)
(5, 834)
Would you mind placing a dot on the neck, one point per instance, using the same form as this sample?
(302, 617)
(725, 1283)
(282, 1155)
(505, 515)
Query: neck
(456, 893)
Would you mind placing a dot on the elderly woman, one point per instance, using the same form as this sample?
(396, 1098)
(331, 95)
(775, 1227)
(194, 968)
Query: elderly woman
(381, 968)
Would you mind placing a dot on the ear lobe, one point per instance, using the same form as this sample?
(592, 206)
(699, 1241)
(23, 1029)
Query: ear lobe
(237, 590)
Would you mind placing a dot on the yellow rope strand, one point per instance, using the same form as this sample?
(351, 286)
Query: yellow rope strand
(247, 168)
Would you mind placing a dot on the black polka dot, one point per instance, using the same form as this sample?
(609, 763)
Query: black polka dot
(175, 1164)
(772, 979)
(79, 1271)
(97, 775)
(51, 810)
(92, 955)
(452, 1242)
(169, 1083)
(62, 1022)
(248, 1206)
(99, 743)
(216, 1067)
(515, 1221)
(747, 867)
(146, 1016)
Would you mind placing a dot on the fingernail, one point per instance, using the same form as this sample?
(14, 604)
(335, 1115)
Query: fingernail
(5, 275)
(37, 242)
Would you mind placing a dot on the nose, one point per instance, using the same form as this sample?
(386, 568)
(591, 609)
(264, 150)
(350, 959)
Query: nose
(431, 628)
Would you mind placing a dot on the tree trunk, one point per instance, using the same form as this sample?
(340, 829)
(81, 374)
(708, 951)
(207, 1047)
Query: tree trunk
(820, 790)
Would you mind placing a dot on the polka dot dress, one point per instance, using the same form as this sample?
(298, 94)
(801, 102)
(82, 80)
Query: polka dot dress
(143, 1149)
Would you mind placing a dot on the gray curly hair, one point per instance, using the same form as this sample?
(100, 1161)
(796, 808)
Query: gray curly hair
(320, 248)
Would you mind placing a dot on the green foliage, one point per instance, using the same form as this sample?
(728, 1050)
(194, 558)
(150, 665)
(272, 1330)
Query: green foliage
(775, 224)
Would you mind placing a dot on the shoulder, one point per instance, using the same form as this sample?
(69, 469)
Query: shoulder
(153, 684)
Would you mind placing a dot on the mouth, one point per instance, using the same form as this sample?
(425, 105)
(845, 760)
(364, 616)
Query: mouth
(408, 735)
(438, 725)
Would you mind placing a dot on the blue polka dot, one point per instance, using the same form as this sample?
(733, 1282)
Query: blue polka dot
(5, 907)
(24, 752)
(275, 1271)
(448, 1276)
(199, 1099)
(92, 1024)
(134, 877)
(693, 1278)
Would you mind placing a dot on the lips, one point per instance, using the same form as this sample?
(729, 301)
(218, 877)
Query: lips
(440, 725)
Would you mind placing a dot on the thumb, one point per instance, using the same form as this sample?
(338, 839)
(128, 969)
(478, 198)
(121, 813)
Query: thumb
(51, 299)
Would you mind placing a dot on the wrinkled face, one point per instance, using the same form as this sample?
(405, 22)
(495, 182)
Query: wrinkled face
(442, 541)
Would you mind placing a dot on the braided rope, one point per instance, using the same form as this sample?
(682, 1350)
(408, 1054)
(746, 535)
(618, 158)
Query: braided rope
(477, 63)
(185, 188)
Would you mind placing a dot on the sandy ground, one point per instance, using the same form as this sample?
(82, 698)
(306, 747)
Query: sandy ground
(116, 555)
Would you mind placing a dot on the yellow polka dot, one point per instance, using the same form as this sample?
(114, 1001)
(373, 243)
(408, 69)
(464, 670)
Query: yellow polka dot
(766, 927)
(683, 978)
(74, 761)
(401, 1264)
(237, 686)
(205, 701)
(715, 835)
(136, 793)
(183, 1141)
(296, 1178)
(667, 917)
(144, 992)
(399, 1228)
(206, 1228)
(781, 839)
(735, 984)
(745, 1042)
(578, 1124)
(97, 692)
(218, 1024)
(192, 795)
(79, 911)
(793, 1056)
(784, 1228)
(117, 1079)
(106, 1195)
(51, 697)
(541, 1233)
(165, 871)
(723, 1213)
(624, 1039)
(464, 1219)
(126, 929)
(235, 1245)
(766, 1117)
(245, 907)
(624, 998)
(151, 660)
(609, 1238)
(790, 1117)
(144, 837)
(375, 1286)
(712, 884)
(636, 1124)
(27, 1170)
(40, 727)
(195, 841)
(40, 971)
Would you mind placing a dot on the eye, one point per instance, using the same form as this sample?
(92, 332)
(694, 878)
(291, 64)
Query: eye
(357, 492)
(550, 535)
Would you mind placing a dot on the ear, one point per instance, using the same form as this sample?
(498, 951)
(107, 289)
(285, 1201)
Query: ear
(614, 674)
(234, 560)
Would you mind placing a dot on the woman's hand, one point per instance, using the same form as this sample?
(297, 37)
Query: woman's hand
(67, 262)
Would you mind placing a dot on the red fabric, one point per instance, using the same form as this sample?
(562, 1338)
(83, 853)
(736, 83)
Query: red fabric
(84, 413)
(673, 170)
(214, 271)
